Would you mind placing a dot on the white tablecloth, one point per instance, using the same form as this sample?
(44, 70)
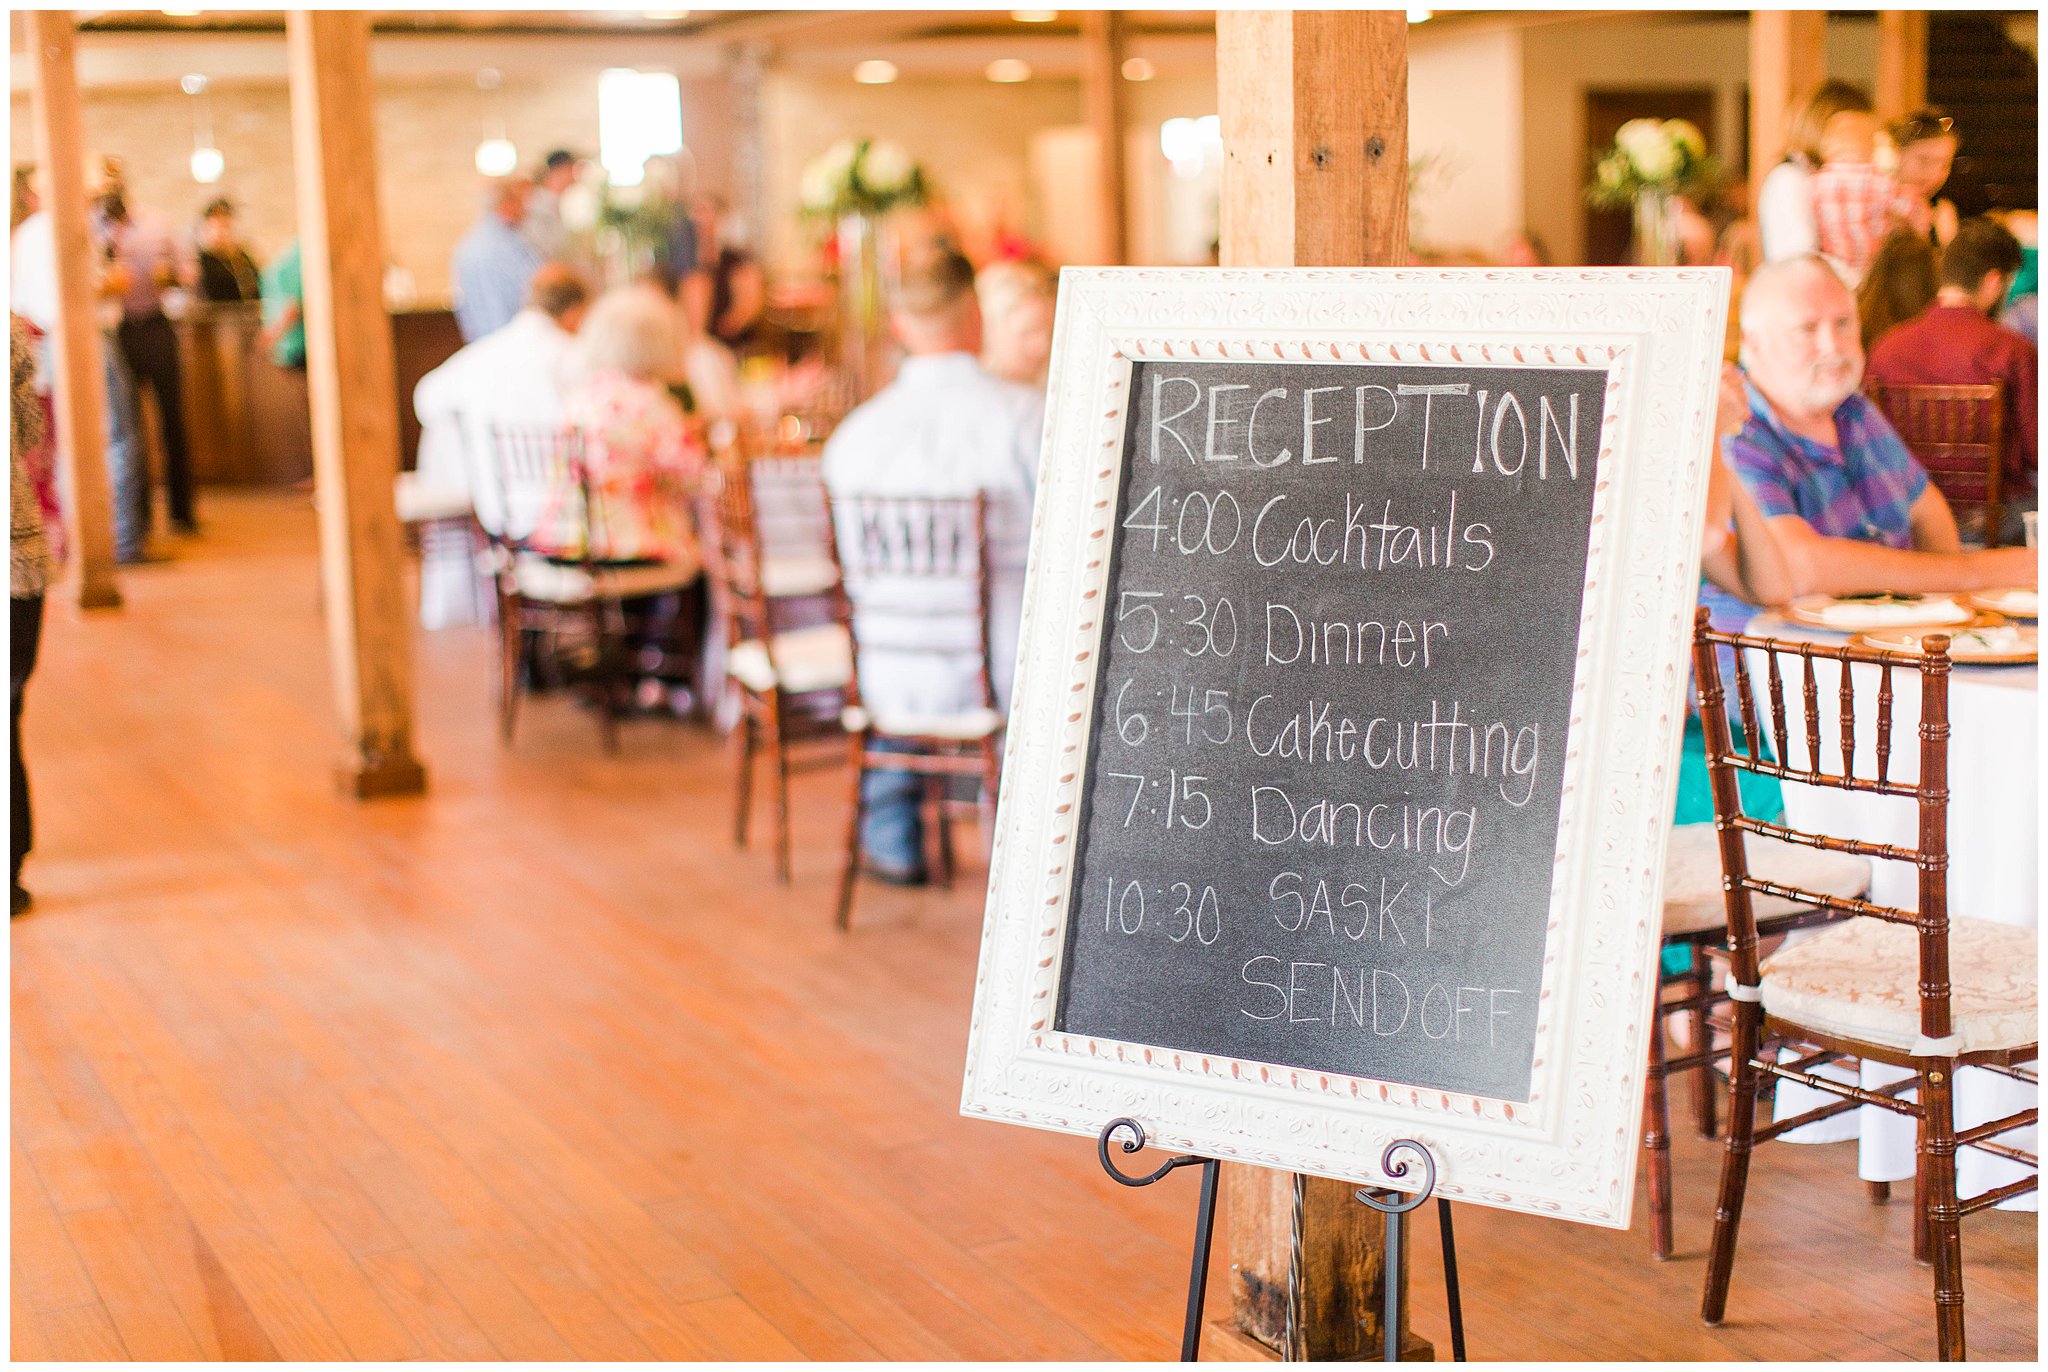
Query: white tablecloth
(1993, 838)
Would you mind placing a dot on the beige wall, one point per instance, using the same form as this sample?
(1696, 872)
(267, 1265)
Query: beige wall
(1464, 122)
(430, 117)
(1562, 61)
(972, 136)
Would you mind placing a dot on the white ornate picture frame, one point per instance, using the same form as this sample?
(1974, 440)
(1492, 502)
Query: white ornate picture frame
(1570, 1150)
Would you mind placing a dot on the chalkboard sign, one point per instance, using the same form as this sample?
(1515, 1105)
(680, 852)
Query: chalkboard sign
(1331, 716)
(1344, 736)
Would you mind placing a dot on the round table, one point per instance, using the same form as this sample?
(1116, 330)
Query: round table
(1993, 836)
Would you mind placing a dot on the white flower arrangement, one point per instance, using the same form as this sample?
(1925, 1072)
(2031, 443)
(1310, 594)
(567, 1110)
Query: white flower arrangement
(860, 176)
(1659, 156)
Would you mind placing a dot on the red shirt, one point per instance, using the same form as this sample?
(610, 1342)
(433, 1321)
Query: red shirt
(1955, 345)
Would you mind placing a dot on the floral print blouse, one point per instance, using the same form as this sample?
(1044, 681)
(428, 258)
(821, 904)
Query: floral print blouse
(645, 467)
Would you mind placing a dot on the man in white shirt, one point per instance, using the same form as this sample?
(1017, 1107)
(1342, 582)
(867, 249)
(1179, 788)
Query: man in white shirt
(944, 427)
(513, 375)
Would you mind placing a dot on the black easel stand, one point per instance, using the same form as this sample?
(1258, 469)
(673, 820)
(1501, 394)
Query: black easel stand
(1395, 1205)
(1205, 1218)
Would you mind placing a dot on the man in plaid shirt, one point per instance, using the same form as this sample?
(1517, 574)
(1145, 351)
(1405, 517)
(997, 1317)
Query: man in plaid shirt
(1837, 505)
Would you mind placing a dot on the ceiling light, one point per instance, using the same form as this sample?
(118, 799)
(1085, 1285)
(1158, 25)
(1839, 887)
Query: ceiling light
(181, 14)
(875, 72)
(1009, 70)
(207, 165)
(1034, 16)
(665, 16)
(1138, 69)
(1419, 16)
(494, 157)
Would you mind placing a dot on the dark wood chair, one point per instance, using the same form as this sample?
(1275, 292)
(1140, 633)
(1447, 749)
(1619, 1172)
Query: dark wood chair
(571, 597)
(1957, 432)
(790, 678)
(914, 573)
(1695, 920)
(1920, 991)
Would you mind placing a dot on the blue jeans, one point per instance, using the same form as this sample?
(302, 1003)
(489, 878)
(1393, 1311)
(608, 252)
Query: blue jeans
(892, 821)
(125, 473)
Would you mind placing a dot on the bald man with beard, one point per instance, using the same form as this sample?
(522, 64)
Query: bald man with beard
(1835, 504)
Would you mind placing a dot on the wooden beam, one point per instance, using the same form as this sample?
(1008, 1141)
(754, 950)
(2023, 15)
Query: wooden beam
(1314, 108)
(75, 342)
(1787, 59)
(1102, 83)
(1901, 62)
(352, 380)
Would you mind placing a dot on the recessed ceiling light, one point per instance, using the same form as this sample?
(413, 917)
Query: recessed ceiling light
(1034, 16)
(1419, 16)
(665, 16)
(1009, 70)
(1138, 69)
(875, 72)
(182, 14)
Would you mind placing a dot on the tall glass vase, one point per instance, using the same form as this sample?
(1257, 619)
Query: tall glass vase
(1656, 230)
(867, 276)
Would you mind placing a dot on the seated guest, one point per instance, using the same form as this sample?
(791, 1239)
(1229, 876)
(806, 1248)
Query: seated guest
(1955, 343)
(1901, 283)
(643, 463)
(943, 428)
(494, 261)
(226, 271)
(511, 376)
(1841, 507)
(1017, 300)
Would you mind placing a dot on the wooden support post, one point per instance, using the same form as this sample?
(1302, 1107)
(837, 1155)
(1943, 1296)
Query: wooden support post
(1314, 107)
(75, 341)
(1901, 62)
(352, 381)
(1787, 59)
(1102, 81)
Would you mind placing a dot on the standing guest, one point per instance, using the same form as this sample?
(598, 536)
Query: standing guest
(28, 574)
(1955, 343)
(139, 244)
(284, 310)
(33, 279)
(739, 291)
(227, 274)
(1854, 202)
(543, 223)
(494, 262)
(1925, 142)
(1784, 202)
(943, 428)
(1900, 283)
(1843, 508)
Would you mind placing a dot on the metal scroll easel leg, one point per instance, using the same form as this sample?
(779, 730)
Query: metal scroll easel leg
(1395, 1205)
(1205, 1219)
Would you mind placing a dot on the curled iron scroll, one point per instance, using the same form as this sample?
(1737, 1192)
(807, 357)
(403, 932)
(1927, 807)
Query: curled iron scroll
(1398, 1202)
(1134, 1143)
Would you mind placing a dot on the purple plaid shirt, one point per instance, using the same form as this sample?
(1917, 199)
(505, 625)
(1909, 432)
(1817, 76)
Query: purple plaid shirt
(1863, 489)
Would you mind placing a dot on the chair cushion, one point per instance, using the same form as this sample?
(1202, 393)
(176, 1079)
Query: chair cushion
(819, 658)
(793, 574)
(1860, 979)
(1692, 877)
(967, 725)
(419, 501)
(539, 579)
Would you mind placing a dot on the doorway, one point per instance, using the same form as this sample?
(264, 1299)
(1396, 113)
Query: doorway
(1608, 231)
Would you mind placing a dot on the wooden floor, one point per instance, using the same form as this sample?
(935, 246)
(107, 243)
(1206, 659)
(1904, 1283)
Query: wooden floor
(538, 1067)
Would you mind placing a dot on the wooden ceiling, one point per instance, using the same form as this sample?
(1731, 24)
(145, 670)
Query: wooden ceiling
(804, 27)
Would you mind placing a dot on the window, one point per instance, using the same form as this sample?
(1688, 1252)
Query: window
(639, 115)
